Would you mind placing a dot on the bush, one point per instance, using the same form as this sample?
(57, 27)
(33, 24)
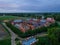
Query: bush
(54, 36)
(43, 41)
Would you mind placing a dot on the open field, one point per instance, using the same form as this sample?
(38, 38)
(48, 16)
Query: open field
(8, 17)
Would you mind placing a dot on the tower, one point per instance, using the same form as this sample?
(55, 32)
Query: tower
(42, 17)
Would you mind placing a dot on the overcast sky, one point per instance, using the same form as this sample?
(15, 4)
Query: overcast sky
(29, 5)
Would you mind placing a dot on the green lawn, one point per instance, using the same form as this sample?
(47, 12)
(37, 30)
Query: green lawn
(8, 17)
(5, 41)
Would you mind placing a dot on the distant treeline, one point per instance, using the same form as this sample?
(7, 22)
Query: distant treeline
(35, 15)
(28, 14)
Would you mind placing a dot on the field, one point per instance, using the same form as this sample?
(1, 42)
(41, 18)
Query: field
(5, 41)
(8, 17)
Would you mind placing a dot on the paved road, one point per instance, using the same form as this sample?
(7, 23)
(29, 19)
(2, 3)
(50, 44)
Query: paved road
(13, 35)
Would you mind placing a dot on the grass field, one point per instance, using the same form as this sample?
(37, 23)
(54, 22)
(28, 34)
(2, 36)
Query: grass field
(5, 41)
(8, 17)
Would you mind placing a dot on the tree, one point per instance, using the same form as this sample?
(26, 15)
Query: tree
(54, 36)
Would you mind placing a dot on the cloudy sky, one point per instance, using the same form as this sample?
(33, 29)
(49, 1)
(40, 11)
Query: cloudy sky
(29, 5)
